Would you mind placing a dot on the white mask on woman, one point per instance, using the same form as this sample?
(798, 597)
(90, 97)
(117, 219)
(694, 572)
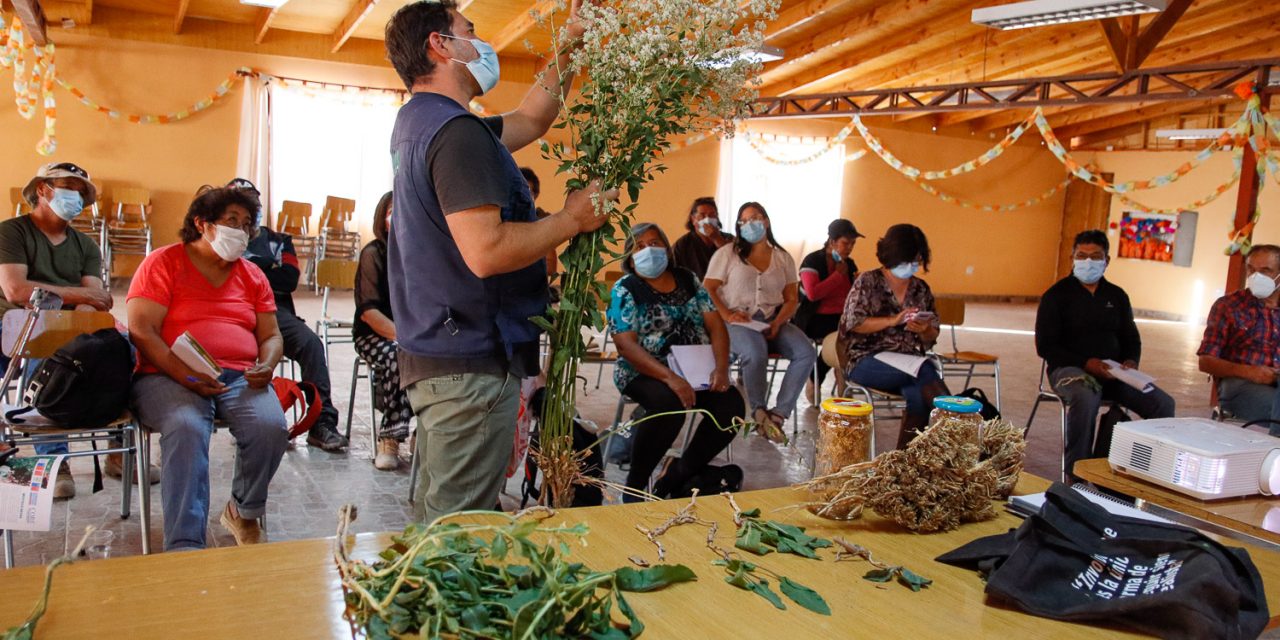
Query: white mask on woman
(229, 242)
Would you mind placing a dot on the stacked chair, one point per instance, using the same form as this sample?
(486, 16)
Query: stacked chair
(128, 230)
(295, 220)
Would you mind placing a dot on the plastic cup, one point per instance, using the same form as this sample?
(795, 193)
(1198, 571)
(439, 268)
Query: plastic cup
(98, 546)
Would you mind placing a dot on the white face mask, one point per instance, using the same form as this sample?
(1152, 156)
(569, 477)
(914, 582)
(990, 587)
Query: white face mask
(229, 242)
(1261, 286)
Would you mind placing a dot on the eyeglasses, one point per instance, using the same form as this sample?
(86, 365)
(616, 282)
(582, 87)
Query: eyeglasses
(67, 166)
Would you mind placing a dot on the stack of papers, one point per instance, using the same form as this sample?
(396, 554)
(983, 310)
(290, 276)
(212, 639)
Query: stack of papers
(1132, 377)
(754, 325)
(193, 355)
(694, 363)
(903, 362)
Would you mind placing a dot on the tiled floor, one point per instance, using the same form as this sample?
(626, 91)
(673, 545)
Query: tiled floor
(311, 484)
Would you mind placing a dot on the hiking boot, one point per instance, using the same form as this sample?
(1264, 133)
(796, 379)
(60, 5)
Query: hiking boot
(115, 468)
(65, 486)
(326, 438)
(245, 531)
(387, 457)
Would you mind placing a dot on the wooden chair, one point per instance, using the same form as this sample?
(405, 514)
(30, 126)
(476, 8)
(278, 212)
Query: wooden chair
(128, 230)
(295, 221)
(951, 314)
(37, 333)
(885, 405)
(19, 203)
(331, 275)
(336, 243)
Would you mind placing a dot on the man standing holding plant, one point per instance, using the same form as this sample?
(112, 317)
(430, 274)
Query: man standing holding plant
(466, 253)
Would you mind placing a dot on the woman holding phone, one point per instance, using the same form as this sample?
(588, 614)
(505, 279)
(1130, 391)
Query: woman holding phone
(891, 311)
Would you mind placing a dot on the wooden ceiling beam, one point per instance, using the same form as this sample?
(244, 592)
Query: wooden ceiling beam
(883, 30)
(1130, 47)
(516, 30)
(78, 11)
(1117, 118)
(1157, 29)
(181, 15)
(805, 15)
(360, 9)
(32, 18)
(262, 23)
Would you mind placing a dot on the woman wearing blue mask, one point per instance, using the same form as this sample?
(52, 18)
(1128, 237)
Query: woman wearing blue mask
(654, 307)
(891, 311)
(826, 275)
(755, 287)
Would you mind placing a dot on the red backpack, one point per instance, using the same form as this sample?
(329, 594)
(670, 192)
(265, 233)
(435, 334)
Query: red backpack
(290, 393)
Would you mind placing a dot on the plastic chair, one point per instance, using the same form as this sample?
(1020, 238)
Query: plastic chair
(331, 275)
(44, 329)
(951, 314)
(294, 220)
(128, 231)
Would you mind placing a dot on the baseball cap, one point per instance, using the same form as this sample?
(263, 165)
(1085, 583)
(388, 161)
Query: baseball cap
(55, 170)
(841, 228)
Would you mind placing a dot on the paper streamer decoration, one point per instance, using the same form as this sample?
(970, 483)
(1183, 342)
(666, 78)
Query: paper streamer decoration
(204, 103)
(912, 172)
(759, 144)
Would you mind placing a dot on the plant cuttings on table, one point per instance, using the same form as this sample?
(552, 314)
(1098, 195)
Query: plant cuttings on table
(763, 537)
(743, 575)
(27, 630)
(476, 580)
(882, 572)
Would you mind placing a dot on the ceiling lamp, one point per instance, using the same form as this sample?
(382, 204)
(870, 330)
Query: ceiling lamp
(273, 4)
(1189, 134)
(1038, 13)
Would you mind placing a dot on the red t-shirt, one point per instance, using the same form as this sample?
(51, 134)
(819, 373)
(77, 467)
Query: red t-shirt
(221, 319)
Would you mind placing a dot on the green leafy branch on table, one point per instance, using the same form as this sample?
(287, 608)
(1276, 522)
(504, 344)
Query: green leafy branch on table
(27, 630)
(882, 573)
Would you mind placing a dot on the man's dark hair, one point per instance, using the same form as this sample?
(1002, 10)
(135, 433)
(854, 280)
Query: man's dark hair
(742, 247)
(1266, 248)
(693, 208)
(535, 185)
(209, 205)
(407, 33)
(903, 243)
(380, 217)
(1092, 236)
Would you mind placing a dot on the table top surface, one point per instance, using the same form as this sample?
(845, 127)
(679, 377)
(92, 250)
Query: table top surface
(291, 589)
(1257, 516)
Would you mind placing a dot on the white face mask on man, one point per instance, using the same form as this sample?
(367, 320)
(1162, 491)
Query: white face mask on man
(1260, 285)
(229, 242)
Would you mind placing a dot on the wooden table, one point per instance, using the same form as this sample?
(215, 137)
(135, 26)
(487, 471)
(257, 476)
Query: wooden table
(291, 589)
(1254, 516)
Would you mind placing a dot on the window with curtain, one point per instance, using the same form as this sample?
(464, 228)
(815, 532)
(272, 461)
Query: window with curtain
(798, 185)
(331, 142)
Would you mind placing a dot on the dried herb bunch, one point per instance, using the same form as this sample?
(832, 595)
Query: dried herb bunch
(448, 580)
(942, 479)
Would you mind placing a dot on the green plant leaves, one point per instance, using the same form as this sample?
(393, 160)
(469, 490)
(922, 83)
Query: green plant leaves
(804, 596)
(763, 537)
(906, 577)
(652, 578)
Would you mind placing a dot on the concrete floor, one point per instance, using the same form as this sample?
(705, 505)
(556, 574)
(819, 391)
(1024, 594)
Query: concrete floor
(311, 485)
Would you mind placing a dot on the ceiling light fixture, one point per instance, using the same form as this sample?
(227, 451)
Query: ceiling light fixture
(1189, 134)
(1038, 13)
(272, 4)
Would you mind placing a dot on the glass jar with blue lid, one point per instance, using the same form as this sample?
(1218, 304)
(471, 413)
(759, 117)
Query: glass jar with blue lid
(958, 412)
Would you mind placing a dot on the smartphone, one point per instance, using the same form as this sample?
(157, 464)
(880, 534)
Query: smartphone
(923, 315)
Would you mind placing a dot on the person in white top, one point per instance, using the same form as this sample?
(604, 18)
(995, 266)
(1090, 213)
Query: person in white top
(755, 287)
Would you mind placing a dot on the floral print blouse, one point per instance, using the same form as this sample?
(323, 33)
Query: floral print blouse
(660, 320)
(870, 297)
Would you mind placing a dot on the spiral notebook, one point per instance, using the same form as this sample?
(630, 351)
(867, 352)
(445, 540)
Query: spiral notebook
(1031, 504)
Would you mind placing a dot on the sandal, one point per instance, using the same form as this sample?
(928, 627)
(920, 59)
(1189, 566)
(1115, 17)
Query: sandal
(768, 427)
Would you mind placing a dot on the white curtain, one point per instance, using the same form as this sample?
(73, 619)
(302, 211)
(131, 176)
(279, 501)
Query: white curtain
(254, 159)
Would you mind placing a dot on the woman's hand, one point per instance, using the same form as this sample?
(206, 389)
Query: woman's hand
(203, 384)
(902, 316)
(683, 391)
(919, 326)
(772, 331)
(720, 379)
(732, 316)
(259, 375)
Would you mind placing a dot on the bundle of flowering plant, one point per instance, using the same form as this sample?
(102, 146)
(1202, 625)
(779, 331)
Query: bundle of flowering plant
(650, 72)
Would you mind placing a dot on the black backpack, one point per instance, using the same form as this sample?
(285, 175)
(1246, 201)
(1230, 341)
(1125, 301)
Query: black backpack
(83, 384)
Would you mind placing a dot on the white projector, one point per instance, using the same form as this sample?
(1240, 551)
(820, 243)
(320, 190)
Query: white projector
(1198, 457)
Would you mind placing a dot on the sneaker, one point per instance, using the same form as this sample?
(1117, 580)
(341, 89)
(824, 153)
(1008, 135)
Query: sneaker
(115, 468)
(326, 438)
(65, 486)
(245, 531)
(388, 455)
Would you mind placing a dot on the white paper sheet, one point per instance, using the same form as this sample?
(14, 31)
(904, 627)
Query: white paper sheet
(755, 325)
(190, 352)
(903, 362)
(1132, 377)
(26, 492)
(694, 363)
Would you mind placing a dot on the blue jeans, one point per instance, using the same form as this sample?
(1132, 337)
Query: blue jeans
(875, 374)
(184, 420)
(752, 351)
(1250, 401)
(1083, 400)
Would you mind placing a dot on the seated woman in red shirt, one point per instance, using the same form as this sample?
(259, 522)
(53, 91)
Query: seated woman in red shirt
(203, 286)
(826, 276)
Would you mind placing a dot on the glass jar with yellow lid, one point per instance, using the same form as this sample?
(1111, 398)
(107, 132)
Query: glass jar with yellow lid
(845, 435)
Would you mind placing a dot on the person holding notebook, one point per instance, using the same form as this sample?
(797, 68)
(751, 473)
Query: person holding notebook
(1083, 321)
(889, 324)
(653, 308)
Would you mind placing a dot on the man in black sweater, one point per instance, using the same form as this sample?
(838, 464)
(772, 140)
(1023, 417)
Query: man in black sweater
(274, 254)
(1083, 320)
